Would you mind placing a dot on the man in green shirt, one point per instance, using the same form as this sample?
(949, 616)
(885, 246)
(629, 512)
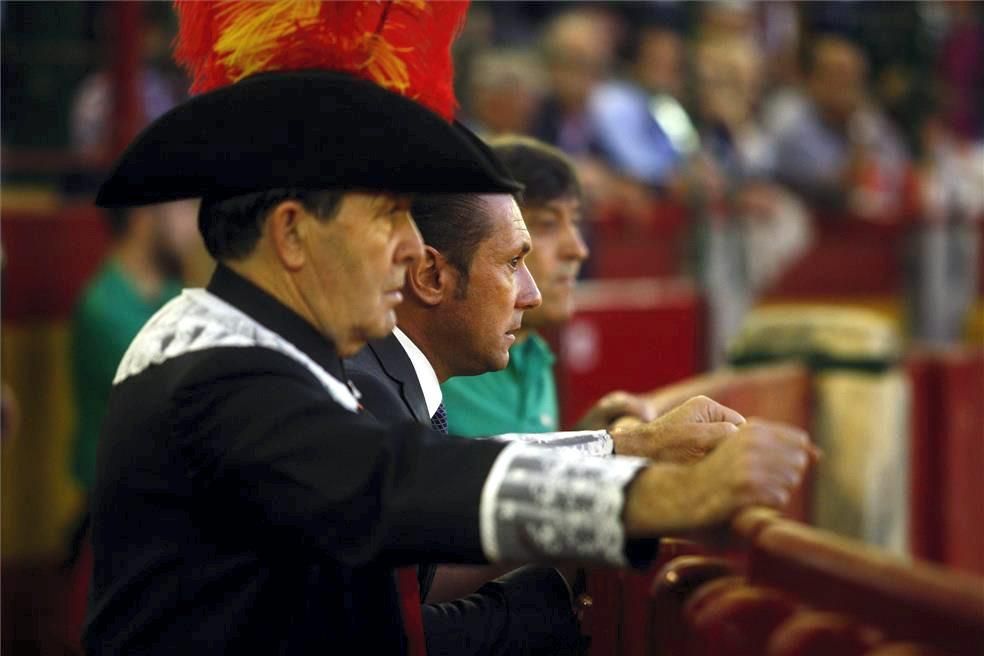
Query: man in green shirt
(523, 396)
(137, 278)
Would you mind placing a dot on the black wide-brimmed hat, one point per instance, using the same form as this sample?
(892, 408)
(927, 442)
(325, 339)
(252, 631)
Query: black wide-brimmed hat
(303, 130)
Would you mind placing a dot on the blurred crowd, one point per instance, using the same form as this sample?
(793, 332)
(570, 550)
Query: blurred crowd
(759, 119)
(738, 102)
(756, 119)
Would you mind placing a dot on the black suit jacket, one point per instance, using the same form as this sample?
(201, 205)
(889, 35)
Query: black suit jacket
(239, 508)
(526, 612)
(388, 382)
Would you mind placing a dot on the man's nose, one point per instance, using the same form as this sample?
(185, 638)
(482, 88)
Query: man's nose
(410, 246)
(529, 294)
(573, 247)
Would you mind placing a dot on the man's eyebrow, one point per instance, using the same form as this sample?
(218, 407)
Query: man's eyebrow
(526, 247)
(539, 209)
(391, 202)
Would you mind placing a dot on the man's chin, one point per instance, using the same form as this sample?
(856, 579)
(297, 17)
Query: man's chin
(370, 330)
(500, 362)
(384, 326)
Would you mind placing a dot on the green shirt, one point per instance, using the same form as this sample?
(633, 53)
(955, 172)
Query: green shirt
(522, 398)
(108, 316)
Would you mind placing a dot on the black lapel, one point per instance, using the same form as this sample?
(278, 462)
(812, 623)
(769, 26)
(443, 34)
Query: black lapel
(397, 365)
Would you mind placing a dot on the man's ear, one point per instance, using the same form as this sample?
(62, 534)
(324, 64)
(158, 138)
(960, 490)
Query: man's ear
(431, 279)
(286, 229)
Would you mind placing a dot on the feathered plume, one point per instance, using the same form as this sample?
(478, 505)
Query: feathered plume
(401, 45)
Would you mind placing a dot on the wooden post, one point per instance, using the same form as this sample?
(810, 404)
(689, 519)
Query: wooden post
(126, 53)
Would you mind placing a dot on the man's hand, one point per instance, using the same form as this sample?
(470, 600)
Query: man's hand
(612, 406)
(760, 466)
(683, 435)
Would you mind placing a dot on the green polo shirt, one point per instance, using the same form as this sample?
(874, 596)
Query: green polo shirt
(522, 398)
(108, 316)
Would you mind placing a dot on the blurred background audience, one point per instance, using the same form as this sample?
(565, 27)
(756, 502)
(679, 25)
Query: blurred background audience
(732, 154)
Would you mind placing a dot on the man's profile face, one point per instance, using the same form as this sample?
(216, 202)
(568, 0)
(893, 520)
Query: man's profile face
(498, 291)
(558, 251)
(357, 263)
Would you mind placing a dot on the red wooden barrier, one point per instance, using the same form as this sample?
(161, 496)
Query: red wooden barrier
(947, 457)
(620, 615)
(632, 335)
(962, 416)
(49, 256)
(843, 248)
(926, 536)
(906, 600)
(808, 592)
(654, 246)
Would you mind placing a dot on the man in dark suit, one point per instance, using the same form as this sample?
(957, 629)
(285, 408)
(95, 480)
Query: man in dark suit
(525, 611)
(399, 381)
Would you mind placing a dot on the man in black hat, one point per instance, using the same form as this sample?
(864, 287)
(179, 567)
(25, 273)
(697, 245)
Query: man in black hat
(242, 504)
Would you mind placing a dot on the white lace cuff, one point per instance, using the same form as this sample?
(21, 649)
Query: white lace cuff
(547, 504)
(587, 443)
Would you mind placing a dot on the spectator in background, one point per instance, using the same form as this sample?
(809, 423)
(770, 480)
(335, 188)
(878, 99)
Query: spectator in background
(773, 222)
(642, 129)
(961, 71)
(91, 113)
(835, 148)
(577, 48)
(750, 227)
(504, 92)
(141, 273)
(943, 269)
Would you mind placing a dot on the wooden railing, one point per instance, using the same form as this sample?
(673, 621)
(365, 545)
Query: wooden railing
(799, 591)
(784, 588)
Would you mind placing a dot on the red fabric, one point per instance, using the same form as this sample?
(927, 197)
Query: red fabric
(413, 621)
(50, 254)
(77, 597)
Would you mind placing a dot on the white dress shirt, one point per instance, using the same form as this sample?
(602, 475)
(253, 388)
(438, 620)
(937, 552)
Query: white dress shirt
(425, 372)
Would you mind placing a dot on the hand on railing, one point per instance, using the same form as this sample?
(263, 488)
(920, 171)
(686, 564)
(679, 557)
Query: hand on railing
(615, 406)
(760, 466)
(683, 436)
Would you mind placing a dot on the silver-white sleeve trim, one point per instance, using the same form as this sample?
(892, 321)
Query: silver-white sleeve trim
(588, 443)
(549, 504)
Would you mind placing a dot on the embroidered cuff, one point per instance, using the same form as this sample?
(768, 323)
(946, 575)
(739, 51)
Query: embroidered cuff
(587, 443)
(547, 504)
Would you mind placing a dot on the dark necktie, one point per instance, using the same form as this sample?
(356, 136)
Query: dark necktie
(439, 421)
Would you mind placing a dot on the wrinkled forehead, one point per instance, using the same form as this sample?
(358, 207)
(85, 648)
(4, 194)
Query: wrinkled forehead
(508, 228)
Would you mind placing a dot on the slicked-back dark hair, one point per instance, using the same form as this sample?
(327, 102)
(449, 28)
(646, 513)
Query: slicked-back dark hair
(454, 225)
(546, 172)
(231, 226)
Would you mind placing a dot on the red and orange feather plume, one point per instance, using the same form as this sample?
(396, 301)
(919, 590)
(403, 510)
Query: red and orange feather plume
(401, 45)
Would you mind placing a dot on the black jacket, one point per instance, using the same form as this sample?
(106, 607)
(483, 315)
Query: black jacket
(525, 612)
(238, 508)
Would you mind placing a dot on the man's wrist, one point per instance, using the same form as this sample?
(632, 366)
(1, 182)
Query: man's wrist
(655, 501)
